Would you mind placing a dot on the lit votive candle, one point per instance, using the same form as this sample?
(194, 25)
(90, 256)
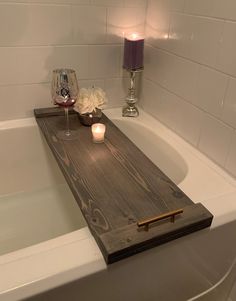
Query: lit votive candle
(98, 132)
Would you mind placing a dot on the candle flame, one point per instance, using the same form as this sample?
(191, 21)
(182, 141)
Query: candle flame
(97, 129)
(134, 36)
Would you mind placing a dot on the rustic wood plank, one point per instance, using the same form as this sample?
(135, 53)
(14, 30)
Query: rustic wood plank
(131, 239)
(113, 191)
(53, 111)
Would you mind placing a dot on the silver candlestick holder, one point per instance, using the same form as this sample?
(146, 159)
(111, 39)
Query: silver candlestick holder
(130, 110)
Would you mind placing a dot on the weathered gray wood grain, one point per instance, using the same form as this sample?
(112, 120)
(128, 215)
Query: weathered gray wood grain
(115, 185)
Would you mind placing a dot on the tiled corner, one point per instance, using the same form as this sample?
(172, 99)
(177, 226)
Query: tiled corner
(190, 67)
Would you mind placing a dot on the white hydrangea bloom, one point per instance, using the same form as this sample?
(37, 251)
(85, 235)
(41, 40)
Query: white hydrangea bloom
(90, 99)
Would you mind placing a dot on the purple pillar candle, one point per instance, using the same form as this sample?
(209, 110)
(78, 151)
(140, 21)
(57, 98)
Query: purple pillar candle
(133, 52)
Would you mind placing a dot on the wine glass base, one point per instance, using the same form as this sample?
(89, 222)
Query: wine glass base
(65, 135)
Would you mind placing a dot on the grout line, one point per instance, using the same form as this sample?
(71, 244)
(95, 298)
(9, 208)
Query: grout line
(200, 132)
(224, 96)
(184, 6)
(61, 45)
(228, 150)
(49, 82)
(205, 16)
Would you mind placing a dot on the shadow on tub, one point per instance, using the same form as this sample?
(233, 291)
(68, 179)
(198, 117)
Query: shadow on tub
(221, 291)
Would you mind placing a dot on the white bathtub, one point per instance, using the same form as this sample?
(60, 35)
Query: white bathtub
(35, 203)
(56, 250)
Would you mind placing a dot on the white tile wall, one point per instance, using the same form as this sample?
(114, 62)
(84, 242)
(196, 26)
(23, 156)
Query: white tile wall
(190, 73)
(215, 139)
(190, 60)
(37, 36)
(210, 90)
(172, 110)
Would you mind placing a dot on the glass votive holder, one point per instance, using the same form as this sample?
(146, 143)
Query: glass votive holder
(98, 132)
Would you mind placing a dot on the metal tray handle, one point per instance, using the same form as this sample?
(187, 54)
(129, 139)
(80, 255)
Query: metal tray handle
(145, 223)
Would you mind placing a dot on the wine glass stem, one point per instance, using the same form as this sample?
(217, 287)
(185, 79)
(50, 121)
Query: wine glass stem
(68, 133)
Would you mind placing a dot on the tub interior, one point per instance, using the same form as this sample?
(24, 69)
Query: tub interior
(35, 202)
(155, 148)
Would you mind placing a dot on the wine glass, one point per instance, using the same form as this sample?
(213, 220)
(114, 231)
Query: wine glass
(64, 93)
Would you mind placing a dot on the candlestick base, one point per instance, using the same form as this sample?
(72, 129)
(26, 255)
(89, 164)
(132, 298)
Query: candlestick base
(130, 110)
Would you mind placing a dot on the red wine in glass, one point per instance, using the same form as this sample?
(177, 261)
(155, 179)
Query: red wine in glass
(64, 93)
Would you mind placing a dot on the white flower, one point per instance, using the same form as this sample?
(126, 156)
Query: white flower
(90, 99)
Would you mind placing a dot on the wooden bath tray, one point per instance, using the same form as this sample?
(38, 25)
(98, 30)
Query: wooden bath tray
(116, 186)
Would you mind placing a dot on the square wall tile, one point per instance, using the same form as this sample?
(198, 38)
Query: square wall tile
(177, 114)
(199, 7)
(89, 24)
(18, 21)
(34, 25)
(104, 61)
(44, 28)
(24, 98)
(226, 59)
(182, 117)
(151, 98)
(229, 110)
(172, 72)
(116, 90)
(210, 90)
(88, 83)
(195, 37)
(25, 65)
(180, 35)
(215, 139)
(177, 5)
